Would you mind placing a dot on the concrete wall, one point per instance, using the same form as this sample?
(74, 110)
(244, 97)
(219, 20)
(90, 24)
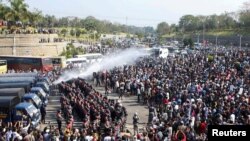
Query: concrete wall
(30, 44)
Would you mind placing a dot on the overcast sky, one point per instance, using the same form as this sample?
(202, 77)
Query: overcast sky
(138, 12)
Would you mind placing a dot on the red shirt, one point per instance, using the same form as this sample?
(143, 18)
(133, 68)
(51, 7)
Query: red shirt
(176, 136)
(165, 101)
(203, 126)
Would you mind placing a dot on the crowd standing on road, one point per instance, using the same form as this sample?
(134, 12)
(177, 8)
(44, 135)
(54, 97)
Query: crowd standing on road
(187, 93)
(184, 95)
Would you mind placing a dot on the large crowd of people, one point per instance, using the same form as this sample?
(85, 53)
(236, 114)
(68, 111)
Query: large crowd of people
(186, 93)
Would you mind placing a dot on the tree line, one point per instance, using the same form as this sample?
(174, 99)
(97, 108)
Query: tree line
(17, 12)
(239, 20)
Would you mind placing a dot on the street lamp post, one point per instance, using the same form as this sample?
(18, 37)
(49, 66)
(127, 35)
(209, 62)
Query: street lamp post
(231, 46)
(216, 40)
(183, 32)
(216, 45)
(240, 41)
(94, 36)
(203, 32)
(198, 38)
(68, 31)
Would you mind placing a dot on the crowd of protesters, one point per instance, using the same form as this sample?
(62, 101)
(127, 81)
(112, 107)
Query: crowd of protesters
(186, 93)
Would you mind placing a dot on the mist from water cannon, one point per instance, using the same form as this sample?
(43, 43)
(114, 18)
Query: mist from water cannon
(66, 75)
(124, 57)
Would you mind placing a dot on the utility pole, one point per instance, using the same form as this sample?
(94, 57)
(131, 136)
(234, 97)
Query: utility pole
(203, 32)
(127, 23)
(240, 41)
(216, 40)
(198, 38)
(94, 37)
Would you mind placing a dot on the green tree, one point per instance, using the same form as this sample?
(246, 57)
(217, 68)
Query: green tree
(78, 32)
(71, 51)
(49, 21)
(63, 22)
(245, 15)
(173, 28)
(35, 17)
(212, 22)
(188, 42)
(75, 22)
(64, 32)
(94, 35)
(149, 30)
(185, 42)
(109, 43)
(163, 28)
(188, 23)
(226, 21)
(72, 32)
(3, 11)
(83, 31)
(90, 23)
(18, 11)
(139, 35)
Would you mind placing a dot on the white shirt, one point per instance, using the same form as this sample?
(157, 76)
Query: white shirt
(8, 135)
(107, 138)
(165, 116)
(117, 84)
(88, 138)
(16, 135)
(232, 117)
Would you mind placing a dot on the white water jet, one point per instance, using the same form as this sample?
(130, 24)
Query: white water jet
(108, 62)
